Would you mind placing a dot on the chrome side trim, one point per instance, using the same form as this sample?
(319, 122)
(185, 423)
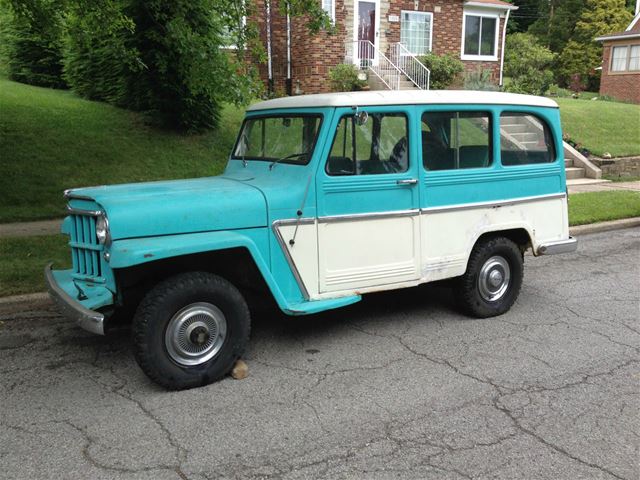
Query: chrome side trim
(368, 216)
(89, 213)
(87, 319)
(494, 204)
(285, 250)
(557, 247)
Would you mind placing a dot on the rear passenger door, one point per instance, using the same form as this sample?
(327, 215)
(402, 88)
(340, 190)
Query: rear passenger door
(459, 165)
(368, 201)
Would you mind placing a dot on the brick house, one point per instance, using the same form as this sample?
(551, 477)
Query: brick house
(621, 62)
(298, 62)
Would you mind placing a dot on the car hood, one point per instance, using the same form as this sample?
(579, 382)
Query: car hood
(177, 206)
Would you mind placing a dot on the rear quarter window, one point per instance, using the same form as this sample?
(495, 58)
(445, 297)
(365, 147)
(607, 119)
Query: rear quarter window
(525, 139)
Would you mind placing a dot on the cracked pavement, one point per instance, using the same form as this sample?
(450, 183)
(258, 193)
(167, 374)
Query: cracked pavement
(398, 386)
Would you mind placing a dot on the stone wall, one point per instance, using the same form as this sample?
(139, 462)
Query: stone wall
(619, 167)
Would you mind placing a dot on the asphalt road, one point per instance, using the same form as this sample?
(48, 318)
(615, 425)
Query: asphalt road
(398, 386)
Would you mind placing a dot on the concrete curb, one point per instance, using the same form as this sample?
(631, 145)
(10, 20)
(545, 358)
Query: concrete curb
(16, 303)
(605, 226)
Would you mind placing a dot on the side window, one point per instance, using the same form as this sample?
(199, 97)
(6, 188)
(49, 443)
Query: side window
(456, 140)
(379, 145)
(524, 140)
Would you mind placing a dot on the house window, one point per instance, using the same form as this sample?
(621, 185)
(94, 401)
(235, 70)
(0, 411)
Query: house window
(480, 37)
(415, 31)
(329, 6)
(626, 58)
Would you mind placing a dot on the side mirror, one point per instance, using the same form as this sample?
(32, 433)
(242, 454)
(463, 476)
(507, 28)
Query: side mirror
(361, 118)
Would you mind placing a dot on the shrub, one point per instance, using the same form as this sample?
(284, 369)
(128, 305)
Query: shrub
(557, 91)
(479, 80)
(528, 64)
(344, 78)
(444, 69)
(99, 61)
(31, 35)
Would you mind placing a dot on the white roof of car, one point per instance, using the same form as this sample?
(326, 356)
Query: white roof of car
(404, 97)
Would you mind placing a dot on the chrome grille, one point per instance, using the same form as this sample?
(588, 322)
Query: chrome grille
(85, 249)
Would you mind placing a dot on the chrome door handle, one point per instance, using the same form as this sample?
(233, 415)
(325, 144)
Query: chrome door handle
(407, 181)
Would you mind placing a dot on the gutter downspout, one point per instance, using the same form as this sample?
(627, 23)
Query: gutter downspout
(269, 66)
(504, 40)
(288, 82)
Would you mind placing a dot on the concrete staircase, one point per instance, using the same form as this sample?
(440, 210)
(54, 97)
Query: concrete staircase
(391, 77)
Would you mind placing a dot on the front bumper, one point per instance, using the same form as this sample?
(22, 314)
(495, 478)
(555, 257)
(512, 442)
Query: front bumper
(61, 285)
(560, 246)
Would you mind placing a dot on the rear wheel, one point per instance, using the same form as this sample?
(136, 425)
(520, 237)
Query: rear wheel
(492, 282)
(190, 329)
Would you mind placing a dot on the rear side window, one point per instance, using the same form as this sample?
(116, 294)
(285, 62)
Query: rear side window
(525, 139)
(377, 146)
(456, 140)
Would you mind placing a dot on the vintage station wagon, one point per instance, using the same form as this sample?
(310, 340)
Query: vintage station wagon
(325, 198)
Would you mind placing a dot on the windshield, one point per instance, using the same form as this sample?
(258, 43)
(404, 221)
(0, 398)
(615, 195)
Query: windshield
(282, 138)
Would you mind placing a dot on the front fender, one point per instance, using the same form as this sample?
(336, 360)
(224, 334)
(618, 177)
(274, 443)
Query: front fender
(137, 251)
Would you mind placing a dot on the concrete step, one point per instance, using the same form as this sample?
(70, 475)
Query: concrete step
(568, 162)
(585, 181)
(575, 172)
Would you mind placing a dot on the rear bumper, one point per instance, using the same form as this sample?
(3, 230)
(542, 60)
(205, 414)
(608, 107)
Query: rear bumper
(86, 318)
(560, 246)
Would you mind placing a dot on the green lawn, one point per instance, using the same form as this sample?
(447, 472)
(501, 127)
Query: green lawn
(22, 262)
(595, 207)
(601, 126)
(51, 140)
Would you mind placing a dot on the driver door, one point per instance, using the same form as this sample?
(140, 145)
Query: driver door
(368, 202)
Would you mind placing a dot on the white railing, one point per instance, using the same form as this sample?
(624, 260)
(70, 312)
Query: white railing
(410, 66)
(366, 56)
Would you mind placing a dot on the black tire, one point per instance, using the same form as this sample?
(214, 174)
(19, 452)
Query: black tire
(473, 297)
(160, 308)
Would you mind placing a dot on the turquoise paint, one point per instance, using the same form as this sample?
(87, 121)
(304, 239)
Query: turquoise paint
(159, 220)
(178, 206)
(97, 295)
(496, 182)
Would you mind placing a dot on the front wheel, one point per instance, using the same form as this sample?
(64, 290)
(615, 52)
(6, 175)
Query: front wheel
(190, 329)
(493, 278)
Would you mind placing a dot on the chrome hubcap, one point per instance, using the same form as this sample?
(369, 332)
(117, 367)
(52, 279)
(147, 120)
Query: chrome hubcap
(494, 278)
(195, 334)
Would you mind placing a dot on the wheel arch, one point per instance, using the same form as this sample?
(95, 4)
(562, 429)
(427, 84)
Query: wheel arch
(139, 264)
(521, 236)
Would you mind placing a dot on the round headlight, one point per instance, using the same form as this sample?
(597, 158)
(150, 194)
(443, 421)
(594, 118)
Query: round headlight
(102, 229)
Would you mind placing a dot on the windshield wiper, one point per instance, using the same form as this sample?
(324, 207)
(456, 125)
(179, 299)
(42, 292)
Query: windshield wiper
(288, 157)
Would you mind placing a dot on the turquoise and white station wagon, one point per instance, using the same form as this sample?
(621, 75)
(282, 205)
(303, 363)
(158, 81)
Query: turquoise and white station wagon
(325, 198)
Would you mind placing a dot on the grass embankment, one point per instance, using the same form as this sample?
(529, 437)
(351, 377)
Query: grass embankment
(22, 259)
(22, 262)
(592, 207)
(51, 140)
(601, 126)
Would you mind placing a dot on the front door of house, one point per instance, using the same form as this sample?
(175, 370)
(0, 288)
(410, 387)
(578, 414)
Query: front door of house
(366, 31)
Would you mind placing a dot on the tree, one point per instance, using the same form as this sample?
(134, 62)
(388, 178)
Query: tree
(527, 64)
(557, 22)
(31, 34)
(582, 53)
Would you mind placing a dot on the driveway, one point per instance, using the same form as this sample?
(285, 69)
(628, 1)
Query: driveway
(398, 386)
